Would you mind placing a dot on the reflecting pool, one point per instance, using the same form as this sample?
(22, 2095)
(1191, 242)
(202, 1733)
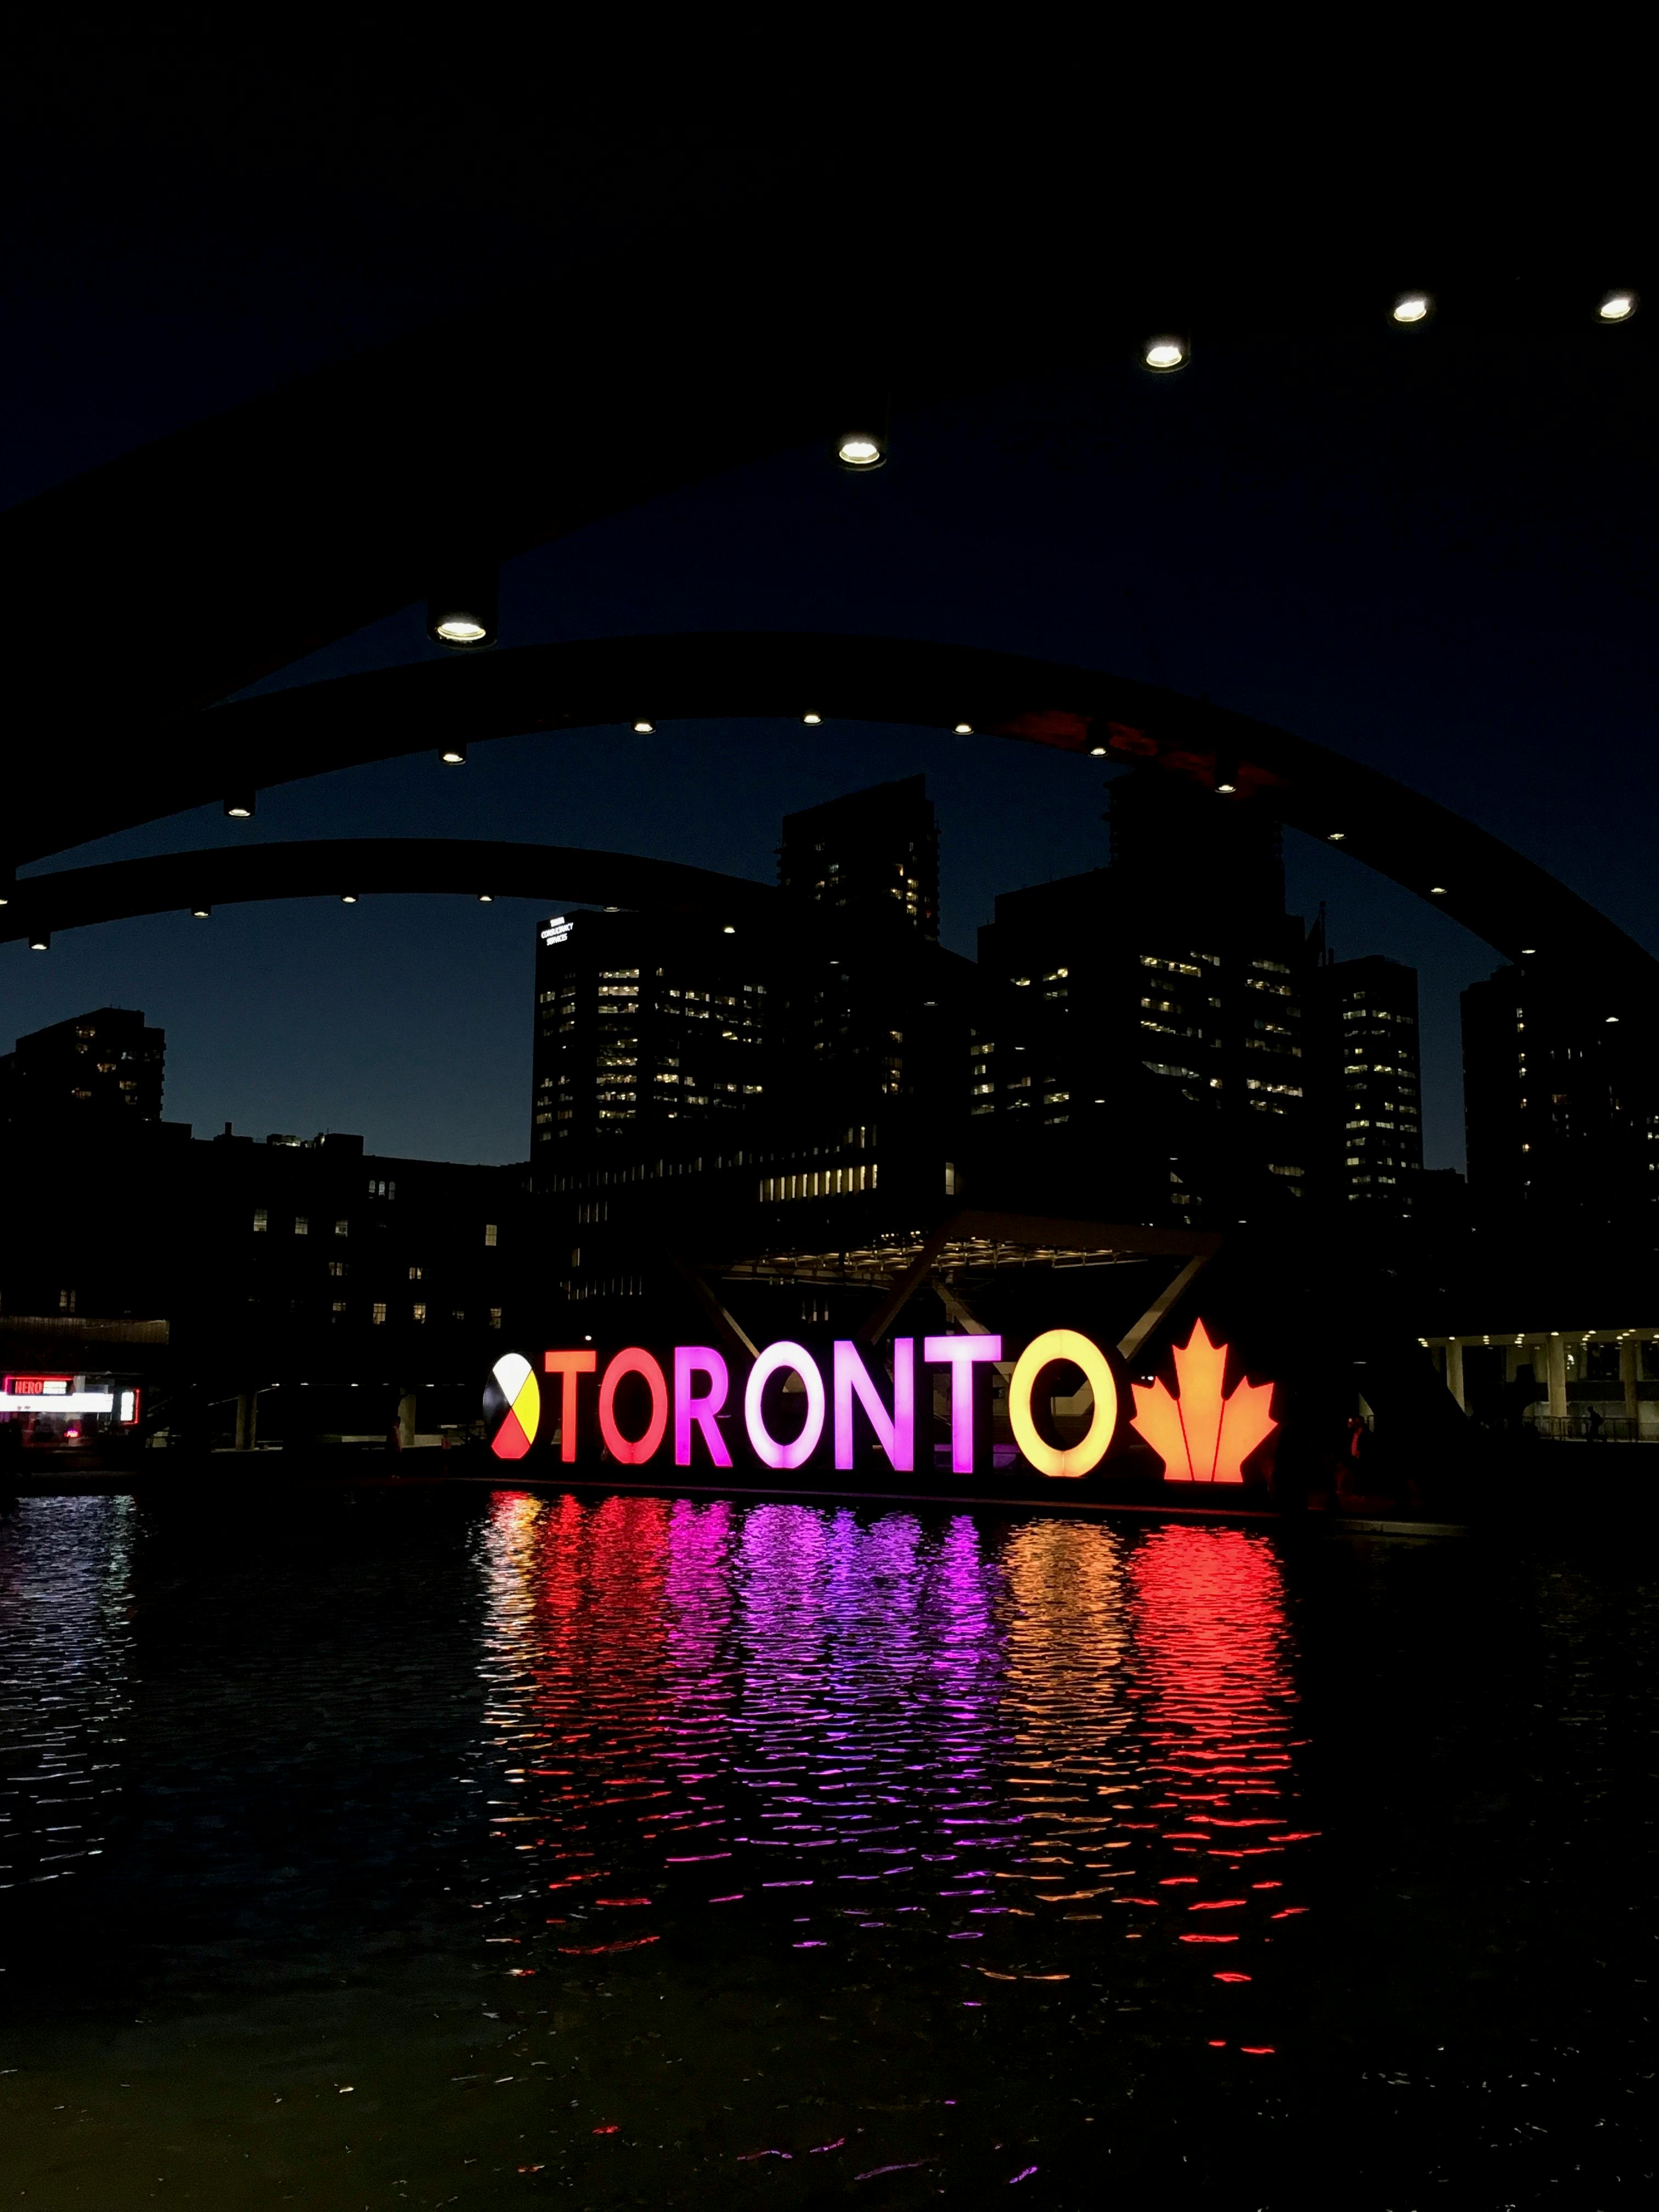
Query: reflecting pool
(451, 1846)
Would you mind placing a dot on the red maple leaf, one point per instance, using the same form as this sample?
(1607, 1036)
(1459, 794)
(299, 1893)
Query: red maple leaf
(1200, 1435)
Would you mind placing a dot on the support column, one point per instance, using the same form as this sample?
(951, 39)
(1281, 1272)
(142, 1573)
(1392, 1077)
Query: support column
(248, 1419)
(1558, 1373)
(406, 1421)
(1455, 1370)
(1629, 1373)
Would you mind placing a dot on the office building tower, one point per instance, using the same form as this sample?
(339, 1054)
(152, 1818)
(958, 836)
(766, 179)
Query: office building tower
(1141, 1031)
(871, 856)
(100, 1072)
(1370, 1105)
(643, 1022)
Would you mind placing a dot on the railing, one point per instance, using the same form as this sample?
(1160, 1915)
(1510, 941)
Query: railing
(1580, 1428)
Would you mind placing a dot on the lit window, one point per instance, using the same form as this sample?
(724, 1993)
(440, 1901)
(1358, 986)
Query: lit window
(261, 1221)
(336, 1267)
(377, 1312)
(419, 1313)
(495, 1316)
(489, 1232)
(343, 1228)
(339, 1308)
(302, 1225)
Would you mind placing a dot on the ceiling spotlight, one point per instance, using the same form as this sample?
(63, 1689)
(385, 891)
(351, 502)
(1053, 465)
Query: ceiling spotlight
(347, 898)
(728, 931)
(1165, 353)
(453, 756)
(1334, 837)
(486, 898)
(39, 940)
(964, 729)
(1227, 789)
(643, 729)
(201, 913)
(1612, 1018)
(239, 807)
(1436, 891)
(861, 451)
(1618, 307)
(1097, 752)
(1528, 951)
(813, 720)
(1412, 307)
(463, 615)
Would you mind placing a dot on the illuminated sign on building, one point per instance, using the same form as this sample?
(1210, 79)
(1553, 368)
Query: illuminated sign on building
(38, 1386)
(557, 928)
(793, 1405)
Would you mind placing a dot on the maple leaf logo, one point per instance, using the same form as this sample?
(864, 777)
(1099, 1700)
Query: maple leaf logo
(1201, 1436)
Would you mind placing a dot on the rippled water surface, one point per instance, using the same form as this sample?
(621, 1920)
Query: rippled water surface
(456, 1847)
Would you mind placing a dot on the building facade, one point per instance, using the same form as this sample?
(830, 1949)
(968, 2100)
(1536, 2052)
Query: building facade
(1368, 1106)
(99, 1071)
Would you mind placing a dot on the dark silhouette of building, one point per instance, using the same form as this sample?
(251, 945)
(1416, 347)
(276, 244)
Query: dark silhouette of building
(1368, 1106)
(100, 1070)
(1561, 1107)
(1140, 1035)
(870, 856)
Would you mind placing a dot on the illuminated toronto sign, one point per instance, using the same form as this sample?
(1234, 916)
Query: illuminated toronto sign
(791, 1406)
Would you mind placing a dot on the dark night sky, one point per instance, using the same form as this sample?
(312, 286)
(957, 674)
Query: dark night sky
(1429, 549)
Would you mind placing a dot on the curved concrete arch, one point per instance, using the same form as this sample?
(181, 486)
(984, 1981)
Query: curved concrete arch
(1516, 907)
(120, 890)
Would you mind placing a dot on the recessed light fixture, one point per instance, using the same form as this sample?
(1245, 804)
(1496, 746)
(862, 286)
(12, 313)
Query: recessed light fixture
(812, 720)
(239, 807)
(964, 729)
(39, 940)
(643, 729)
(347, 898)
(1612, 1018)
(1412, 307)
(1097, 752)
(1165, 353)
(464, 616)
(1436, 891)
(1227, 789)
(1618, 307)
(728, 931)
(486, 898)
(861, 451)
(1334, 837)
(453, 756)
(201, 913)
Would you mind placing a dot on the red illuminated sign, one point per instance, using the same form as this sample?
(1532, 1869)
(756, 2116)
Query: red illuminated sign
(1202, 1436)
(38, 1386)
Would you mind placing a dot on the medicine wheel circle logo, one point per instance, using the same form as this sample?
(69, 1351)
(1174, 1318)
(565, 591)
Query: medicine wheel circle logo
(512, 1406)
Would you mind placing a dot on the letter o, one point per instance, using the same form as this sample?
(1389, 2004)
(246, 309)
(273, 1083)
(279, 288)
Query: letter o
(1050, 1459)
(633, 1451)
(766, 1449)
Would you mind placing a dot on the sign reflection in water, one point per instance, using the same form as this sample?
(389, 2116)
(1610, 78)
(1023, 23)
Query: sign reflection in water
(1038, 1743)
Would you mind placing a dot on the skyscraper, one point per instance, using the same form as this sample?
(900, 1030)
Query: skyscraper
(1139, 1038)
(870, 857)
(641, 1022)
(1368, 1106)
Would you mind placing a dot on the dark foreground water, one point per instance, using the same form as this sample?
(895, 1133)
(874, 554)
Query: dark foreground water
(448, 1847)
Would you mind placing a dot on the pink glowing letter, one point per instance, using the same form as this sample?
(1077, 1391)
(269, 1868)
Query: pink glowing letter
(766, 1449)
(633, 1451)
(961, 1354)
(690, 1361)
(896, 1437)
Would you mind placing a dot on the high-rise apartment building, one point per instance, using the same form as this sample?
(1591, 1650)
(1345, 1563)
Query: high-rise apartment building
(102, 1070)
(1141, 1035)
(642, 1022)
(1370, 1107)
(871, 856)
